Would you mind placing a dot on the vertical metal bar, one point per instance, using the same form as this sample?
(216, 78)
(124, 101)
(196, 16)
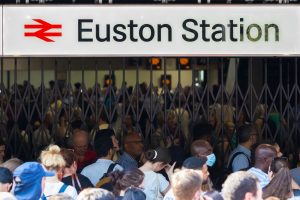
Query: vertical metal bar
(250, 85)
(96, 91)
(236, 90)
(42, 88)
(281, 86)
(222, 113)
(165, 95)
(81, 93)
(266, 96)
(15, 88)
(137, 93)
(296, 100)
(208, 86)
(193, 89)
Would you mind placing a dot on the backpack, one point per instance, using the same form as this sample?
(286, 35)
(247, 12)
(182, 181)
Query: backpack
(229, 168)
(105, 181)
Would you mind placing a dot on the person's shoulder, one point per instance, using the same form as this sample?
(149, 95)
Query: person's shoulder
(295, 170)
(118, 167)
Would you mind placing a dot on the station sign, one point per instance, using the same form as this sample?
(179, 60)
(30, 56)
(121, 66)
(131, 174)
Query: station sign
(150, 30)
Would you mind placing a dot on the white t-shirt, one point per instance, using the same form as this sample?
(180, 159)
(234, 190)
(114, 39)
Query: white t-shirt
(53, 188)
(154, 184)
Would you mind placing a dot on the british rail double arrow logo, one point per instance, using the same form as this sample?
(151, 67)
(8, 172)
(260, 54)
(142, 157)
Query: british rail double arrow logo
(43, 27)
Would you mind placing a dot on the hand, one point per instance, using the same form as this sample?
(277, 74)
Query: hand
(170, 170)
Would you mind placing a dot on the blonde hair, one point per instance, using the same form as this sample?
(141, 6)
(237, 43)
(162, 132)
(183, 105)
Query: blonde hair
(186, 183)
(52, 159)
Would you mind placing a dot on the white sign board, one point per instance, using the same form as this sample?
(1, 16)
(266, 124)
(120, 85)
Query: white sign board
(151, 30)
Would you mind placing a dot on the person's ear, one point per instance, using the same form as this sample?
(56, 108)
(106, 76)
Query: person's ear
(9, 186)
(248, 196)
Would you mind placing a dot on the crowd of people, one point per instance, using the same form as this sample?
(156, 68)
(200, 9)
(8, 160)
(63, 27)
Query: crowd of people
(102, 168)
(142, 146)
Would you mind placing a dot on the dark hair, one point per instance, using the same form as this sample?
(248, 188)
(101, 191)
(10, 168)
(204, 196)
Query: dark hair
(103, 145)
(213, 194)
(244, 132)
(134, 194)
(121, 180)
(69, 156)
(103, 133)
(278, 163)
(281, 184)
(158, 155)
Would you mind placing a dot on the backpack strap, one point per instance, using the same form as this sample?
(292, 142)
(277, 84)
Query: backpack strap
(43, 197)
(63, 188)
(111, 168)
(234, 156)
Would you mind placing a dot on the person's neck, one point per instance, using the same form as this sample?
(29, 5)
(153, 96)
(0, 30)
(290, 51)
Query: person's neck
(247, 145)
(260, 166)
(108, 157)
(67, 172)
(132, 156)
(147, 166)
(52, 179)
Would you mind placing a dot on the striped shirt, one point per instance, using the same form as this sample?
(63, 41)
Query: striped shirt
(262, 176)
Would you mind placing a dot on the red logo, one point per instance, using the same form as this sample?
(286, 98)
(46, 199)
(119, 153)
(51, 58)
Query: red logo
(43, 28)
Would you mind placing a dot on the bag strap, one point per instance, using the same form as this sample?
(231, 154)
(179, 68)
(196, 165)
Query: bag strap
(111, 167)
(63, 188)
(43, 197)
(234, 156)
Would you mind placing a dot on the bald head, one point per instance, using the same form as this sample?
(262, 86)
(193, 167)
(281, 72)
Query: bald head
(201, 148)
(133, 144)
(80, 142)
(264, 155)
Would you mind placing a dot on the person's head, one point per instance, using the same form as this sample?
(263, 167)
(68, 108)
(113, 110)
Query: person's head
(7, 196)
(212, 195)
(133, 144)
(133, 193)
(196, 163)
(202, 148)
(277, 147)
(280, 185)
(247, 135)
(80, 142)
(264, 155)
(95, 194)
(104, 147)
(159, 158)
(107, 133)
(121, 180)
(241, 186)
(61, 196)
(6, 179)
(2, 150)
(12, 164)
(70, 159)
(186, 184)
(29, 180)
(52, 160)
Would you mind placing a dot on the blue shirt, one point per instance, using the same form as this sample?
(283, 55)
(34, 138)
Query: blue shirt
(240, 161)
(262, 176)
(96, 170)
(127, 162)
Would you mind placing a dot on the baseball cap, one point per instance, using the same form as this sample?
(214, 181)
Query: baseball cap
(5, 175)
(28, 178)
(194, 162)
